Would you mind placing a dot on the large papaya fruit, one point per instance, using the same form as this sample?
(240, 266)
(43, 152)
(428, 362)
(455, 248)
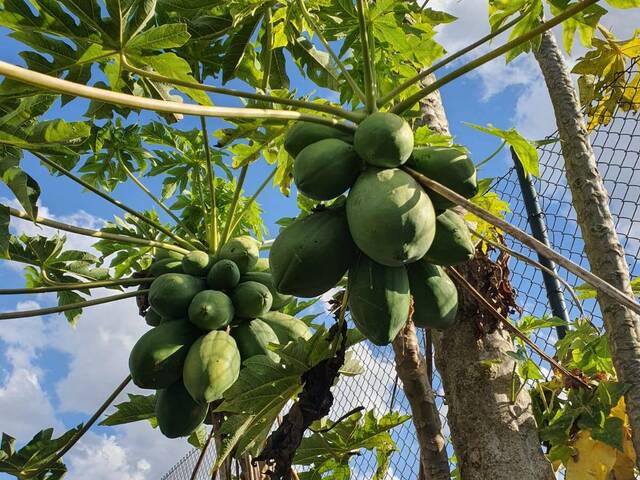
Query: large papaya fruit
(197, 263)
(452, 244)
(286, 327)
(177, 413)
(251, 299)
(243, 251)
(266, 279)
(312, 254)
(326, 169)
(170, 294)
(161, 254)
(224, 275)
(390, 217)
(165, 265)
(435, 298)
(211, 310)
(157, 357)
(446, 165)
(302, 134)
(253, 338)
(384, 140)
(212, 366)
(379, 299)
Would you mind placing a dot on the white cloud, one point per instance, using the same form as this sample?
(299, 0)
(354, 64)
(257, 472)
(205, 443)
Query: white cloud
(103, 458)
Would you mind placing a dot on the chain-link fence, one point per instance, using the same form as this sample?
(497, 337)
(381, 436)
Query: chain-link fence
(617, 148)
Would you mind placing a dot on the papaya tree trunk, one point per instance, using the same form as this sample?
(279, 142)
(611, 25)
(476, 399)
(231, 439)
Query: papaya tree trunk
(413, 370)
(601, 244)
(492, 437)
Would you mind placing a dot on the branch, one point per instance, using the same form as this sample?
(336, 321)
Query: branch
(369, 88)
(59, 85)
(253, 198)
(70, 306)
(113, 201)
(211, 180)
(599, 284)
(338, 112)
(535, 264)
(158, 202)
(510, 327)
(94, 233)
(234, 204)
(352, 83)
(447, 60)
(531, 34)
(77, 286)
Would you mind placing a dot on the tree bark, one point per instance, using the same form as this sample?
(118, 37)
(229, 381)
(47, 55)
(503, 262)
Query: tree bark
(602, 247)
(412, 370)
(493, 439)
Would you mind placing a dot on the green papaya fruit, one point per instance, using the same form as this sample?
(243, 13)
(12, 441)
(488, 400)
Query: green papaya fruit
(157, 357)
(251, 299)
(384, 140)
(152, 318)
(211, 310)
(243, 250)
(435, 298)
(164, 320)
(170, 294)
(326, 169)
(224, 275)
(312, 254)
(262, 265)
(286, 327)
(266, 279)
(197, 263)
(446, 165)
(161, 254)
(452, 244)
(177, 413)
(302, 134)
(212, 365)
(166, 265)
(379, 299)
(253, 338)
(390, 217)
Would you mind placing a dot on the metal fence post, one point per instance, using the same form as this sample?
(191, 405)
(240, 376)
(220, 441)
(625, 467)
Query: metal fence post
(536, 220)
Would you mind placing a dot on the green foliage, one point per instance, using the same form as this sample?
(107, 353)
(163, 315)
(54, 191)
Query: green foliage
(331, 445)
(137, 408)
(35, 460)
(586, 291)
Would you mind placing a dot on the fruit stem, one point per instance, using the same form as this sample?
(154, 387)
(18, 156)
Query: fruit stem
(211, 180)
(85, 428)
(338, 112)
(447, 60)
(345, 72)
(48, 82)
(95, 233)
(598, 283)
(409, 102)
(369, 82)
(113, 201)
(251, 201)
(234, 204)
(158, 202)
(70, 306)
(76, 286)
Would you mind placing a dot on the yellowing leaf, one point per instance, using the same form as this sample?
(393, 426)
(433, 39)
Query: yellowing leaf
(592, 460)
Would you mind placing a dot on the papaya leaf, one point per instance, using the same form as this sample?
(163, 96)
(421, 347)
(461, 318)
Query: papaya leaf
(525, 150)
(23, 186)
(34, 459)
(624, 3)
(137, 408)
(236, 46)
(330, 450)
(198, 437)
(584, 22)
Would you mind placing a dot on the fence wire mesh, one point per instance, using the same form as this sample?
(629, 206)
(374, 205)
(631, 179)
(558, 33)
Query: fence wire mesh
(617, 149)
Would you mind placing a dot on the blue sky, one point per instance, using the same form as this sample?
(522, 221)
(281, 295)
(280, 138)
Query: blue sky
(53, 375)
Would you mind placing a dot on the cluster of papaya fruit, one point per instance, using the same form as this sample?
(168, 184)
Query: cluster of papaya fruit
(209, 314)
(391, 235)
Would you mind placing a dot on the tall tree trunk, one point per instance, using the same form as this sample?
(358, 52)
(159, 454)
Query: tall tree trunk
(591, 203)
(492, 437)
(412, 368)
